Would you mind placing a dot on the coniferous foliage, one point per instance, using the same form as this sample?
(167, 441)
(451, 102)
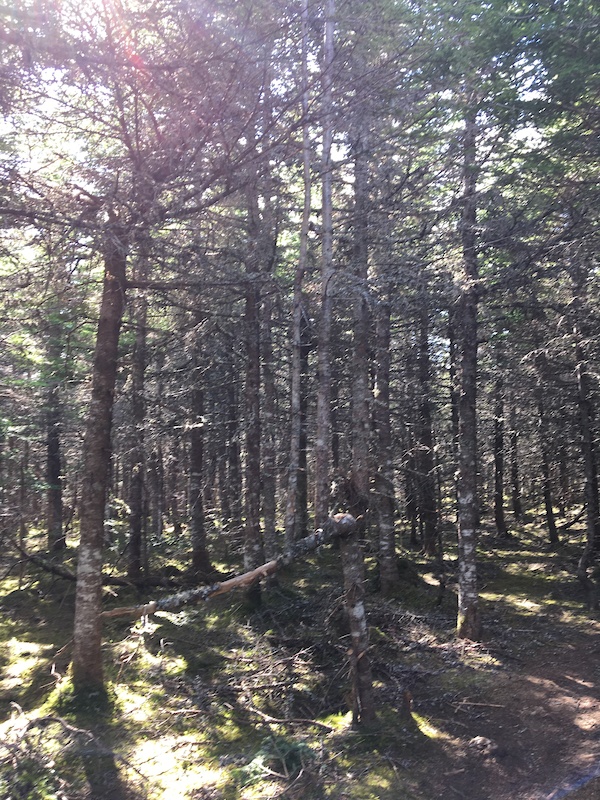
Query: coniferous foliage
(250, 250)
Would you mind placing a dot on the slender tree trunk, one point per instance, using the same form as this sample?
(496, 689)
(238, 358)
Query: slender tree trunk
(295, 512)
(425, 465)
(469, 622)
(323, 437)
(87, 635)
(363, 704)
(454, 379)
(515, 478)
(56, 536)
(268, 447)
(156, 491)
(361, 416)
(137, 474)
(173, 478)
(201, 564)
(266, 255)
(384, 477)
(563, 482)
(234, 469)
(586, 564)
(546, 477)
(499, 517)
(412, 506)
(253, 544)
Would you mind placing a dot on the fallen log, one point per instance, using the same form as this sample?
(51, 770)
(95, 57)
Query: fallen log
(338, 526)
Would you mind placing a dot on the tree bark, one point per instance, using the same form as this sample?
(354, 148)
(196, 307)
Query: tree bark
(469, 622)
(546, 477)
(234, 469)
(586, 564)
(323, 436)
(201, 564)
(268, 445)
(361, 416)
(253, 544)
(515, 478)
(56, 536)
(384, 477)
(363, 703)
(138, 465)
(296, 502)
(424, 460)
(87, 634)
(499, 516)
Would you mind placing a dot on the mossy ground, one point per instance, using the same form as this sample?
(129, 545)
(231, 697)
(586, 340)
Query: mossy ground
(217, 701)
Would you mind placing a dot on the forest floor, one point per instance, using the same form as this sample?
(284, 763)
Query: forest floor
(217, 702)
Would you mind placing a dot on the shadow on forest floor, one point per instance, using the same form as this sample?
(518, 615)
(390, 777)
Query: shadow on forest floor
(218, 703)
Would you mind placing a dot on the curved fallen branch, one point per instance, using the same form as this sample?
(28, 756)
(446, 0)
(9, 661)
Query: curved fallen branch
(61, 571)
(338, 526)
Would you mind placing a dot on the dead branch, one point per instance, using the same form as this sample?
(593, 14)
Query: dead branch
(338, 526)
(60, 570)
(567, 525)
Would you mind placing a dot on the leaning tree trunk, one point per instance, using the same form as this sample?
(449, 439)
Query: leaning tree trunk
(87, 634)
(469, 622)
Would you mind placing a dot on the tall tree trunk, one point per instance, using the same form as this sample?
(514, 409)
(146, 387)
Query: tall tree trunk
(361, 418)
(253, 544)
(173, 478)
(469, 622)
(454, 359)
(323, 437)
(137, 473)
(156, 492)
(586, 564)
(268, 448)
(56, 536)
(363, 703)
(295, 512)
(234, 469)
(424, 461)
(266, 255)
(546, 477)
(515, 480)
(201, 564)
(87, 634)
(499, 517)
(384, 477)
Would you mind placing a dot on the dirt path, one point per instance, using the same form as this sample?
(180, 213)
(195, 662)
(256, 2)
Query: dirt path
(535, 734)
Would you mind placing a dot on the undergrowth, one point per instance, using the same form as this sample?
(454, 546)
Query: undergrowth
(218, 702)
